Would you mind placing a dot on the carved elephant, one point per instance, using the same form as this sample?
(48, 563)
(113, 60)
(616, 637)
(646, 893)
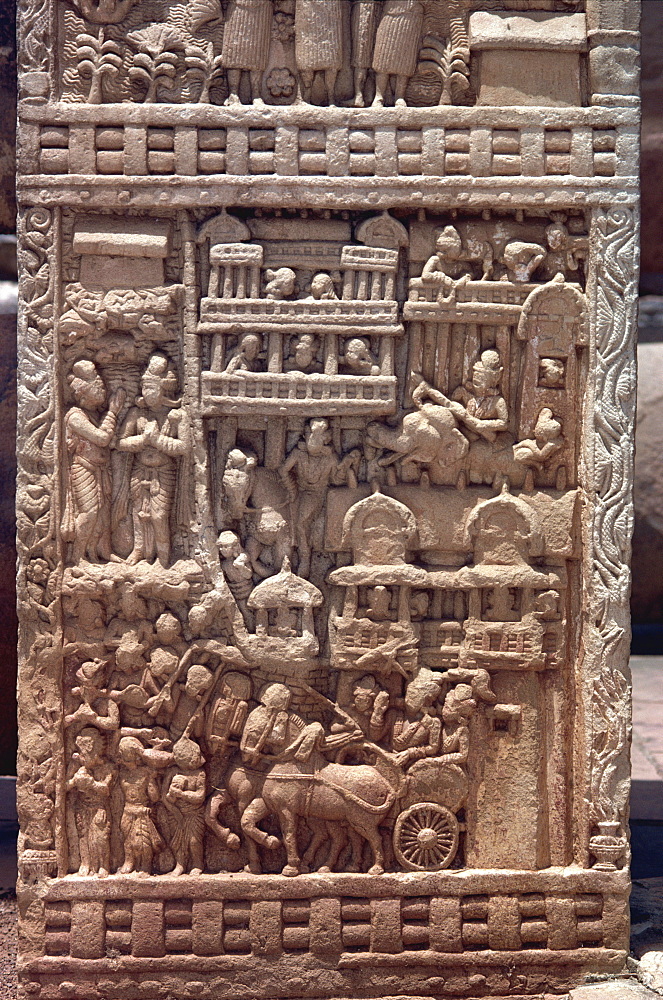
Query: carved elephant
(427, 437)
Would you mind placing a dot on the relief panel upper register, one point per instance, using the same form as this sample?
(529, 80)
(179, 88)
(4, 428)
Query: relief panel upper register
(324, 506)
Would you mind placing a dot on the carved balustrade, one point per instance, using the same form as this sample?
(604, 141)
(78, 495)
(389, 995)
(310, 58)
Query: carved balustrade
(390, 142)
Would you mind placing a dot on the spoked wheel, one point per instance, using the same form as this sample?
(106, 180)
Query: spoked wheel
(426, 837)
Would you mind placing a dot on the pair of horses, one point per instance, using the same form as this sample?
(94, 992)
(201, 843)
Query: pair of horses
(338, 801)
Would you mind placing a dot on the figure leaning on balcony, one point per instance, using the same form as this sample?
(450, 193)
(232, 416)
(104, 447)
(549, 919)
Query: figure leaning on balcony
(246, 39)
(246, 357)
(303, 355)
(156, 433)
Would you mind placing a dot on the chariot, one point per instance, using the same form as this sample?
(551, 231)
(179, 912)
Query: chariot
(426, 830)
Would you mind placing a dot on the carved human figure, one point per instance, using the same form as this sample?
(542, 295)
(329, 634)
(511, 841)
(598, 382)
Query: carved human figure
(365, 15)
(187, 696)
(228, 713)
(358, 358)
(272, 730)
(184, 793)
(367, 710)
(379, 601)
(246, 37)
(246, 357)
(418, 733)
(162, 666)
(128, 681)
(521, 260)
(318, 44)
(459, 705)
(140, 838)
(552, 373)
(570, 250)
(87, 515)
(478, 404)
(168, 634)
(133, 615)
(303, 355)
(280, 283)
(535, 452)
(95, 708)
(224, 727)
(90, 787)
(268, 542)
(309, 469)
(156, 433)
(237, 568)
(85, 636)
(237, 482)
(397, 47)
(322, 287)
(452, 263)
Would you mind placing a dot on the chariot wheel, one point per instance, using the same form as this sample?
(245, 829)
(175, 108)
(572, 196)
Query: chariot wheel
(426, 837)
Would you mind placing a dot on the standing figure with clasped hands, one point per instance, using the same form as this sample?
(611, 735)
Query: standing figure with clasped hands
(246, 37)
(156, 432)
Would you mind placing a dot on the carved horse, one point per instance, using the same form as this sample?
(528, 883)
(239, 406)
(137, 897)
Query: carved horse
(358, 795)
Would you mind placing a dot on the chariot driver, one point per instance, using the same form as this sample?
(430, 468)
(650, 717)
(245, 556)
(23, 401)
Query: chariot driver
(273, 733)
(418, 734)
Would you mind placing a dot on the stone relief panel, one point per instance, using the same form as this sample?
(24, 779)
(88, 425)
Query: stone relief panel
(280, 52)
(324, 509)
(361, 636)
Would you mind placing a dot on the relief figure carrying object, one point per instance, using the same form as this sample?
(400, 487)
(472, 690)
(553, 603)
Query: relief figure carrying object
(156, 433)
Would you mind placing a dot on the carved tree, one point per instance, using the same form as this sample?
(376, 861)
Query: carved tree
(98, 58)
(445, 52)
(203, 65)
(154, 64)
(610, 735)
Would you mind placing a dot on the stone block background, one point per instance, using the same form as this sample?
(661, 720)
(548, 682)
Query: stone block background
(647, 603)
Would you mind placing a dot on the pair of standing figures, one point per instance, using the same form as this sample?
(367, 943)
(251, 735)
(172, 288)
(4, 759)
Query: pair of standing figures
(386, 36)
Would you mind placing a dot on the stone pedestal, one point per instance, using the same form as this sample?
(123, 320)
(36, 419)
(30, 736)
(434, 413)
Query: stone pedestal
(324, 507)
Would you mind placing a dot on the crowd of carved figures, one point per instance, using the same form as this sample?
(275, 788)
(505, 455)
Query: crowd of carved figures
(234, 51)
(305, 695)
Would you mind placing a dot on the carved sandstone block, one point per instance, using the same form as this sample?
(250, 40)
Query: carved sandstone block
(324, 507)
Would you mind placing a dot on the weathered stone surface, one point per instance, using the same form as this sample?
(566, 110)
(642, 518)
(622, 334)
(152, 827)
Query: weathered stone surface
(620, 989)
(326, 417)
